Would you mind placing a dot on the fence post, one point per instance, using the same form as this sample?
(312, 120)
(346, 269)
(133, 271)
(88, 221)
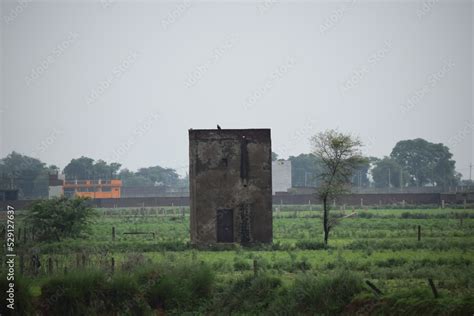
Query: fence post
(361, 202)
(255, 267)
(465, 203)
(442, 203)
(50, 265)
(373, 287)
(113, 232)
(419, 232)
(112, 265)
(433, 288)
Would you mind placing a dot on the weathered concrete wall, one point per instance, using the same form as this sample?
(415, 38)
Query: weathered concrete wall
(230, 170)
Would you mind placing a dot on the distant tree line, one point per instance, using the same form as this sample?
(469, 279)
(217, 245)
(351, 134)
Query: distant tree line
(28, 174)
(31, 176)
(412, 163)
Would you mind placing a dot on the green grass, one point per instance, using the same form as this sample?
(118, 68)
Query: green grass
(377, 245)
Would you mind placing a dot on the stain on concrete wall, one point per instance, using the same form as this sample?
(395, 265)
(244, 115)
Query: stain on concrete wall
(230, 175)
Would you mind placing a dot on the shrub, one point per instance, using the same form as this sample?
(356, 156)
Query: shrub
(77, 293)
(123, 296)
(179, 287)
(325, 295)
(248, 295)
(60, 218)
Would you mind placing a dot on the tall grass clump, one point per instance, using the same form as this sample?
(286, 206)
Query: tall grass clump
(248, 295)
(177, 287)
(77, 293)
(415, 301)
(124, 296)
(326, 295)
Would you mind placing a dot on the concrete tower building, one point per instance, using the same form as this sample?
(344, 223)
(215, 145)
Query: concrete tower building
(230, 174)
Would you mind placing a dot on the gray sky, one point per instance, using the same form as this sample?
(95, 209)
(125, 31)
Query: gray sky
(124, 81)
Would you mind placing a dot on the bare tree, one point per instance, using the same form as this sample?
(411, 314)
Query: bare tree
(340, 155)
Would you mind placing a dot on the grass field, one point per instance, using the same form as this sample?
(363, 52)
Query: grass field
(381, 246)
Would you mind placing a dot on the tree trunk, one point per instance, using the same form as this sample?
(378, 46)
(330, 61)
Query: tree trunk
(325, 220)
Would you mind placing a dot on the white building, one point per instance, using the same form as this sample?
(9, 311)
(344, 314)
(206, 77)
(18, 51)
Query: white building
(281, 176)
(55, 188)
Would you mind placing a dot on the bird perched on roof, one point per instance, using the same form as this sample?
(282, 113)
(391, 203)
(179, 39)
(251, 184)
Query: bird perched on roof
(218, 127)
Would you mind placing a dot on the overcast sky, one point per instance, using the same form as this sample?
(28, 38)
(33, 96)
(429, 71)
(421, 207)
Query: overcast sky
(124, 81)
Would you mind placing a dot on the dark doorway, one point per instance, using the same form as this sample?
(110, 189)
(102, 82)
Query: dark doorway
(225, 225)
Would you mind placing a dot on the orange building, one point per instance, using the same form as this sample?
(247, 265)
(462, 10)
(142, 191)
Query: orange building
(94, 189)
